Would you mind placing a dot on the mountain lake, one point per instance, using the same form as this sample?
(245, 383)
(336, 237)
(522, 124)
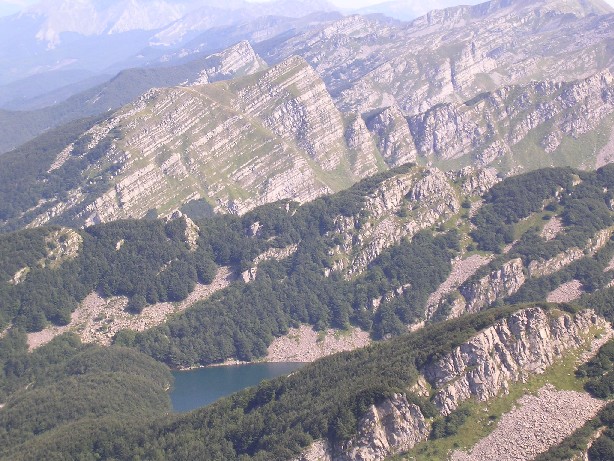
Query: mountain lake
(199, 387)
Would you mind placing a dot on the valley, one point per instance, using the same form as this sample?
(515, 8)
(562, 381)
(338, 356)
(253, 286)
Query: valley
(417, 210)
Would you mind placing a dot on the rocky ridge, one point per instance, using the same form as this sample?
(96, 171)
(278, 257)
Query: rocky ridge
(454, 73)
(475, 295)
(526, 343)
(529, 341)
(236, 61)
(400, 207)
(258, 139)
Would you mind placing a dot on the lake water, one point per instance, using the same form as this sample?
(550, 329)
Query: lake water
(197, 388)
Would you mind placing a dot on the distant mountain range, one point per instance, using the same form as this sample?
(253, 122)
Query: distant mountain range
(54, 39)
(504, 84)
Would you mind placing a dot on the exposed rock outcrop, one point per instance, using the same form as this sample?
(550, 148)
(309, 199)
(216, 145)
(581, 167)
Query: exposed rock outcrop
(394, 139)
(527, 342)
(272, 253)
(540, 268)
(400, 207)
(501, 283)
(475, 181)
(393, 426)
(235, 61)
(266, 137)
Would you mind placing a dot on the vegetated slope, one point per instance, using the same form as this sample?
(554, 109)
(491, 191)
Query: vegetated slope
(370, 256)
(17, 127)
(261, 138)
(66, 382)
(337, 401)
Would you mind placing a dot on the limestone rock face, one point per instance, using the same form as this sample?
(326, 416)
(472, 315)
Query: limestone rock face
(525, 343)
(476, 83)
(539, 268)
(492, 125)
(265, 137)
(394, 139)
(361, 144)
(455, 54)
(391, 427)
(499, 284)
(475, 181)
(235, 61)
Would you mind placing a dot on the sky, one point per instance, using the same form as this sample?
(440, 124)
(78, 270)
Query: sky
(13, 6)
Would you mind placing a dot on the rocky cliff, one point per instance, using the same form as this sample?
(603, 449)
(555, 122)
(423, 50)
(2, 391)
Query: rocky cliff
(475, 82)
(391, 427)
(527, 342)
(394, 139)
(501, 283)
(236, 61)
(470, 50)
(400, 207)
(540, 116)
(261, 138)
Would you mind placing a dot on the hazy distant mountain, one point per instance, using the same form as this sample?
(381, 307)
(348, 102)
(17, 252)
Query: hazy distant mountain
(30, 110)
(61, 34)
(411, 9)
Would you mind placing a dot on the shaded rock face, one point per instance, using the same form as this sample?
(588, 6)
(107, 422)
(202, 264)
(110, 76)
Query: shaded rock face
(526, 343)
(391, 427)
(394, 139)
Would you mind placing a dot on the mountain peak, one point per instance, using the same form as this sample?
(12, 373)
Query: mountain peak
(459, 15)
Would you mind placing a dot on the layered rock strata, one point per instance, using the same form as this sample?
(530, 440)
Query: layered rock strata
(527, 342)
(270, 136)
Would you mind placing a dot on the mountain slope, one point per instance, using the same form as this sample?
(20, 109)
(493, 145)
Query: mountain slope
(254, 140)
(366, 404)
(456, 53)
(20, 126)
(382, 256)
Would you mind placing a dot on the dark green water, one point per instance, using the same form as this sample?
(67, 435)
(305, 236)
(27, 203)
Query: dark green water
(197, 388)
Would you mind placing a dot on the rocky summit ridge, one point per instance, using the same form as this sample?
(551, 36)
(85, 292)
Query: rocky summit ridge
(273, 135)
